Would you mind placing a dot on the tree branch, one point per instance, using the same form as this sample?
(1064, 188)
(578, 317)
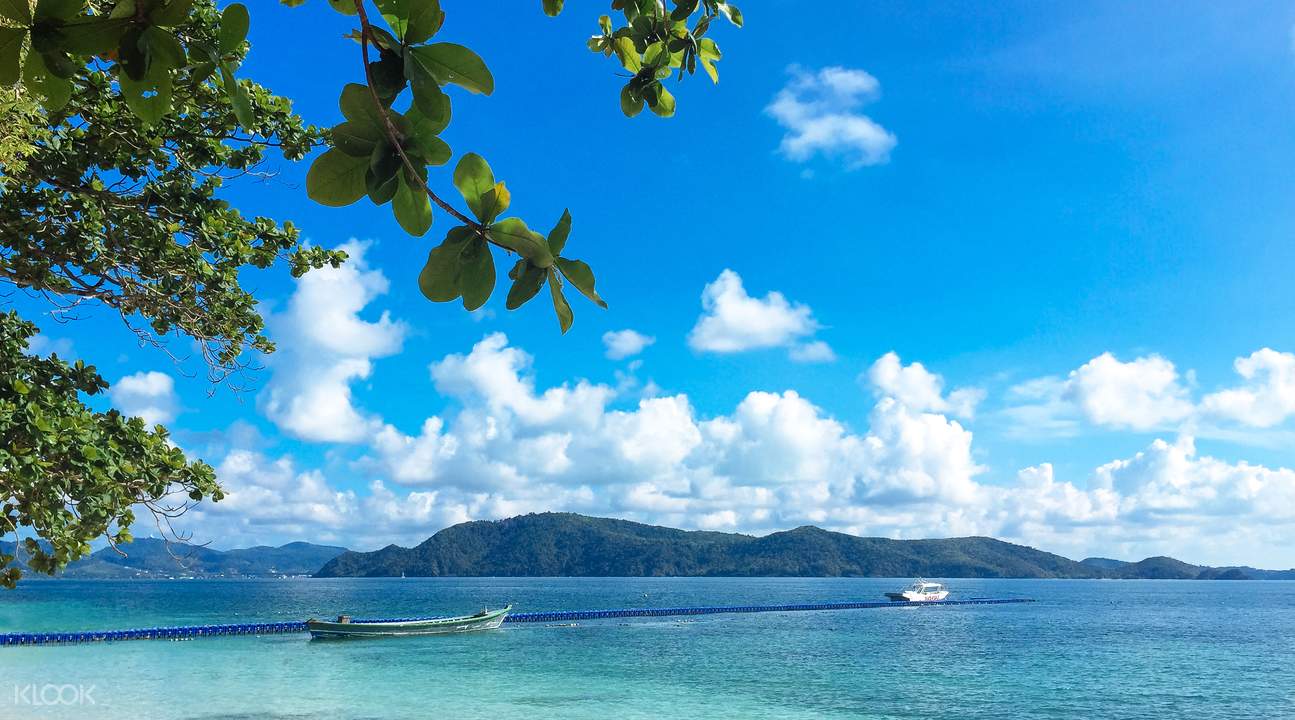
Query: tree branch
(390, 127)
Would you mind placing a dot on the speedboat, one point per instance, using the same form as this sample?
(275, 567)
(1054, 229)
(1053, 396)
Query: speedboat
(345, 627)
(920, 591)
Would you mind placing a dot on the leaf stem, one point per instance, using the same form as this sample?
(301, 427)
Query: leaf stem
(365, 34)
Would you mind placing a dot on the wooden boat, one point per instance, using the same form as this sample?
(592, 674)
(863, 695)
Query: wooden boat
(345, 627)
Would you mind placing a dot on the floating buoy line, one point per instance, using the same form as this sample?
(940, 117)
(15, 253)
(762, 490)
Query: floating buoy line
(190, 632)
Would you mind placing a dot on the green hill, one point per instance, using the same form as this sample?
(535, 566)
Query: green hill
(565, 544)
(147, 558)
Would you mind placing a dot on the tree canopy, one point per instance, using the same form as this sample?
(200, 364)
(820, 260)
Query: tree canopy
(123, 121)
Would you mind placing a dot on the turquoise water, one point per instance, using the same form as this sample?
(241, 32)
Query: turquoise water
(1088, 649)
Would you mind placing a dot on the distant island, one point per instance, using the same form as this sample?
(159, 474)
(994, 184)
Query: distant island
(149, 558)
(567, 544)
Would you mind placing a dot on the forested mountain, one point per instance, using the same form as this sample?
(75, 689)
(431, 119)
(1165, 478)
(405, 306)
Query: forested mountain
(551, 544)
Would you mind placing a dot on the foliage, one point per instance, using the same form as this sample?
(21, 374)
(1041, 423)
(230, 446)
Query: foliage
(101, 204)
(125, 117)
(70, 473)
(121, 208)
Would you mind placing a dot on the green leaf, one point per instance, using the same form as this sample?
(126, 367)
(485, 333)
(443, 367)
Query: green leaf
(237, 96)
(473, 179)
(664, 105)
(430, 100)
(731, 12)
(579, 274)
(93, 37)
(558, 235)
(628, 54)
(384, 161)
(356, 138)
(336, 179)
(412, 207)
(18, 11)
(425, 20)
(656, 54)
(560, 305)
(433, 150)
(234, 22)
(357, 105)
(58, 9)
(525, 285)
(631, 101)
(11, 40)
(171, 14)
(345, 7)
(431, 116)
(381, 190)
(495, 202)
(396, 13)
(553, 8)
(476, 274)
(164, 47)
(450, 63)
(20, 387)
(439, 279)
(149, 98)
(383, 39)
(513, 234)
(707, 54)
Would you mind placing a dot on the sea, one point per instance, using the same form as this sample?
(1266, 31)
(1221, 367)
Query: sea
(1086, 649)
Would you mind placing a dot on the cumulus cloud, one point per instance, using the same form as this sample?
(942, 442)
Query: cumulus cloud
(621, 344)
(733, 321)
(149, 395)
(775, 460)
(919, 389)
(324, 346)
(819, 110)
(1267, 397)
(1146, 393)
(1142, 394)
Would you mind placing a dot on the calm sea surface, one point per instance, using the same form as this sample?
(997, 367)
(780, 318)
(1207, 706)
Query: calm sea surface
(1088, 649)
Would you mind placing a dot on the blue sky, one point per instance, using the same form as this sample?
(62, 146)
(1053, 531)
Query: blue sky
(1003, 194)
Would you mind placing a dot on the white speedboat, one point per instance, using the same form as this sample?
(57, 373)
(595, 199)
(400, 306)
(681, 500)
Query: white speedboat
(920, 591)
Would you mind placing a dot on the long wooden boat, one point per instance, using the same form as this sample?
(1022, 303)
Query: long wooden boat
(345, 627)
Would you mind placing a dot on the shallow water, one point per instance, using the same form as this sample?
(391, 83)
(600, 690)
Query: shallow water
(1087, 649)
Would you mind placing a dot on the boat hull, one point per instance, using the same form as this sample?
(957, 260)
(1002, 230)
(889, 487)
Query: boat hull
(321, 630)
(917, 597)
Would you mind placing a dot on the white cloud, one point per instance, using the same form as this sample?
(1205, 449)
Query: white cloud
(1142, 394)
(149, 395)
(919, 389)
(1146, 393)
(815, 351)
(733, 321)
(820, 113)
(1039, 409)
(1268, 396)
(775, 461)
(324, 345)
(625, 343)
(46, 345)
